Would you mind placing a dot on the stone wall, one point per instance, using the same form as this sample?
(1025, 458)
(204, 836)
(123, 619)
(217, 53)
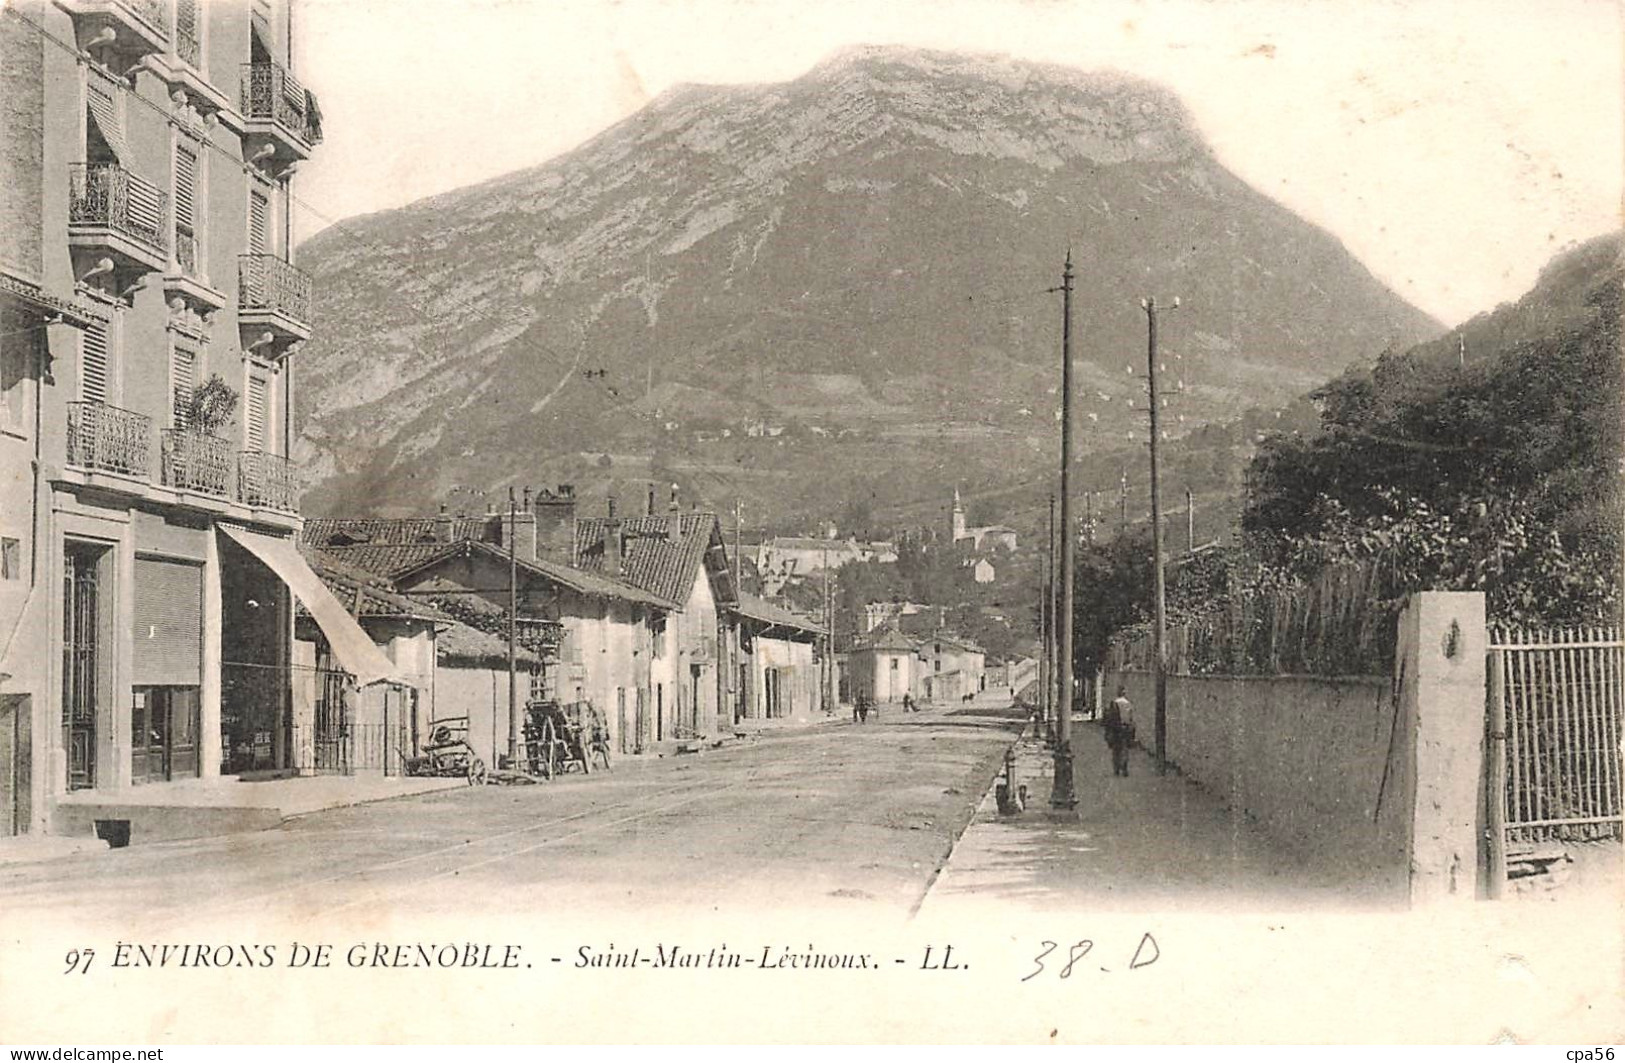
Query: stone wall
(1375, 779)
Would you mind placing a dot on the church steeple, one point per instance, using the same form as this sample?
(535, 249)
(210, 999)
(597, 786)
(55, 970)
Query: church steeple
(959, 517)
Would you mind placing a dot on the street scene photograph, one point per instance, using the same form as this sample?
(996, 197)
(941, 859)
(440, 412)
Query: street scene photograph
(512, 484)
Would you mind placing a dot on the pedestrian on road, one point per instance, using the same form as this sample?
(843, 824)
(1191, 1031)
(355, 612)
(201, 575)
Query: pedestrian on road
(863, 710)
(1118, 721)
(908, 703)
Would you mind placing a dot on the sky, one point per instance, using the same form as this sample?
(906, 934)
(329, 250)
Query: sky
(1453, 145)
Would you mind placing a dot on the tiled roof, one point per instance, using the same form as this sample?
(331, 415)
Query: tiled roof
(461, 644)
(650, 560)
(394, 562)
(755, 608)
(387, 531)
(387, 561)
(888, 638)
(364, 596)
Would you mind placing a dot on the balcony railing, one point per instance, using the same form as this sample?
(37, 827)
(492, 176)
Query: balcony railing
(197, 462)
(189, 48)
(108, 439)
(104, 195)
(266, 480)
(270, 93)
(186, 252)
(265, 282)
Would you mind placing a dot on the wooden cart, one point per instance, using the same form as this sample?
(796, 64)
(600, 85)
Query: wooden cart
(559, 737)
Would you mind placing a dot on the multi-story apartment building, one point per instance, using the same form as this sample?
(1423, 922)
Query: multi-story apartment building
(149, 148)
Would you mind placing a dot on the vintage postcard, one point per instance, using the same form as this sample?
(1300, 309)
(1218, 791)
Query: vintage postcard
(992, 521)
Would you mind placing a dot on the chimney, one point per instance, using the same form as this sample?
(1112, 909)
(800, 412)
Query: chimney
(612, 542)
(674, 519)
(651, 500)
(555, 516)
(442, 526)
(523, 523)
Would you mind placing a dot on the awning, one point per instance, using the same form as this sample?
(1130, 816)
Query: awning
(352, 647)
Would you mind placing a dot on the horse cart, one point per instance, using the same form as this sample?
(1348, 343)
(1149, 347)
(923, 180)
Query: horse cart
(447, 753)
(560, 737)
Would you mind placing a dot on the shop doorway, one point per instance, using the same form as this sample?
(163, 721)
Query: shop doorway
(164, 725)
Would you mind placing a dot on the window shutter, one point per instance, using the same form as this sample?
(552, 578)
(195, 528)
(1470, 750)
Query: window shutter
(168, 623)
(259, 209)
(183, 375)
(104, 115)
(185, 188)
(93, 363)
(256, 412)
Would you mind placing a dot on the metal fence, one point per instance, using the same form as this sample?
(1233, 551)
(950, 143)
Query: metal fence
(1556, 697)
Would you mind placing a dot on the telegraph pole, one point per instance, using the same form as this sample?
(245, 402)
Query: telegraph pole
(513, 631)
(1046, 613)
(1062, 793)
(1159, 588)
(1190, 522)
(1122, 501)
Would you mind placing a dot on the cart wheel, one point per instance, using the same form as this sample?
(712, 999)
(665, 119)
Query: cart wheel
(476, 772)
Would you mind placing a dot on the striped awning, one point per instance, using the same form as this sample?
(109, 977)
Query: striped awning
(352, 647)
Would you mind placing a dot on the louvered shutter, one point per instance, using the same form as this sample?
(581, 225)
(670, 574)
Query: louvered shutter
(183, 375)
(168, 623)
(185, 188)
(259, 209)
(93, 363)
(257, 392)
(104, 116)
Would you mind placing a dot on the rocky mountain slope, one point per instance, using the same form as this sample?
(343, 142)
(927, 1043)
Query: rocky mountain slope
(800, 293)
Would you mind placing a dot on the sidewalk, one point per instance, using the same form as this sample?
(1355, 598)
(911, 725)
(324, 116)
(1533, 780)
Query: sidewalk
(1145, 841)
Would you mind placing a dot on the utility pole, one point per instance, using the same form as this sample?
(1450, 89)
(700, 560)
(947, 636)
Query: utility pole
(1122, 501)
(827, 673)
(1063, 793)
(1190, 522)
(737, 710)
(1046, 614)
(1159, 588)
(513, 633)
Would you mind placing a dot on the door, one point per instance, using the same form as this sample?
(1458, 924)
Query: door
(643, 720)
(164, 723)
(622, 738)
(81, 664)
(14, 765)
(660, 712)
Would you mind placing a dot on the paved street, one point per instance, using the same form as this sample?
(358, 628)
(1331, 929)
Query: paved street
(835, 815)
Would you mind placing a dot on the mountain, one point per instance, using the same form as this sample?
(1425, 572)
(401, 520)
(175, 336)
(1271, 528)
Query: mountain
(837, 288)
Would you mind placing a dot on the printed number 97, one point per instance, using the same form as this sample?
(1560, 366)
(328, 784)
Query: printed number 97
(76, 957)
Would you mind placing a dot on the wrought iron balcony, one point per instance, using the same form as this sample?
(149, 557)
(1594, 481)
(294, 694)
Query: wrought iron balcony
(189, 47)
(142, 26)
(266, 481)
(194, 461)
(273, 294)
(271, 94)
(107, 439)
(112, 207)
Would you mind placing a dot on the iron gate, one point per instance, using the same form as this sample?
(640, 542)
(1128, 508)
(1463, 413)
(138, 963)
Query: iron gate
(1556, 696)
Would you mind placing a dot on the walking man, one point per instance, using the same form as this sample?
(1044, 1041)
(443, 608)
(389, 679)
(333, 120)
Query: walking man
(1118, 721)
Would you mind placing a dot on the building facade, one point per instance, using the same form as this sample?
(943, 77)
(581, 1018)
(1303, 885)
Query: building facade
(145, 238)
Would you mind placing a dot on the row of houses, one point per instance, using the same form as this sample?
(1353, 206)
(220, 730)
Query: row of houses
(641, 616)
(888, 664)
